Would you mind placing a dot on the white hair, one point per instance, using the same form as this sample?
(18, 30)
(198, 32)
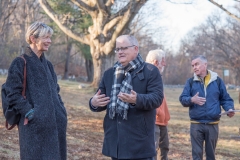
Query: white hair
(130, 38)
(201, 57)
(157, 54)
(37, 29)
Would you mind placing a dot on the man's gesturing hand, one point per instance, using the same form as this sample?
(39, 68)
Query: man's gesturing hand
(130, 98)
(230, 114)
(100, 100)
(198, 100)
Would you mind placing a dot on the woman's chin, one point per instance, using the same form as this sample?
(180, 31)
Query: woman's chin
(44, 49)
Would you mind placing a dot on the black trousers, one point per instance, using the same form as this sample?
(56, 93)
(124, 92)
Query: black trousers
(135, 159)
(161, 142)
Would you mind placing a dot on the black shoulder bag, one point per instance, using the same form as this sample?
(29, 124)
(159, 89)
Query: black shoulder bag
(10, 114)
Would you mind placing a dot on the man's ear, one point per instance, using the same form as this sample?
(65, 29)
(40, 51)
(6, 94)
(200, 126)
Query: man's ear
(136, 48)
(155, 62)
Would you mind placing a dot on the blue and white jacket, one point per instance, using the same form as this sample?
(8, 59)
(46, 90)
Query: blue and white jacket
(216, 96)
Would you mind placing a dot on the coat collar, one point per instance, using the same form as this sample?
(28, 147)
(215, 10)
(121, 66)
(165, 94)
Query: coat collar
(138, 70)
(214, 76)
(29, 52)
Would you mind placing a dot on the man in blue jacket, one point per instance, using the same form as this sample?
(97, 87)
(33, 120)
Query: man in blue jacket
(204, 94)
(130, 92)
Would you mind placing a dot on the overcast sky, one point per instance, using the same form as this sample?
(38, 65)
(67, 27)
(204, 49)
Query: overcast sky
(179, 19)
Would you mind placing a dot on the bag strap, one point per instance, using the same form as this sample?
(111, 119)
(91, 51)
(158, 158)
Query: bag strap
(23, 91)
(11, 127)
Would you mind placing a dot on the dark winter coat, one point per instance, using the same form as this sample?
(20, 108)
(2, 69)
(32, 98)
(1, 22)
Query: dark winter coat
(44, 137)
(216, 96)
(133, 138)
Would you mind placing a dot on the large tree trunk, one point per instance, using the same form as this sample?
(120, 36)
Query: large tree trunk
(68, 52)
(100, 65)
(101, 36)
(89, 69)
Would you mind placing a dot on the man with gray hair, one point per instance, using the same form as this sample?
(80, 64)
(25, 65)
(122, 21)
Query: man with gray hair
(130, 92)
(204, 94)
(157, 58)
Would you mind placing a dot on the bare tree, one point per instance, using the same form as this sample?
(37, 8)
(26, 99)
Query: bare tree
(219, 42)
(67, 60)
(27, 12)
(213, 2)
(7, 7)
(225, 10)
(109, 21)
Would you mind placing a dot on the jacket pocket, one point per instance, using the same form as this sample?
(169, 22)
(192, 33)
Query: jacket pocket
(140, 126)
(35, 115)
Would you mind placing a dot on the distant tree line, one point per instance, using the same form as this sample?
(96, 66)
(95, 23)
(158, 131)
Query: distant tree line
(218, 39)
(85, 33)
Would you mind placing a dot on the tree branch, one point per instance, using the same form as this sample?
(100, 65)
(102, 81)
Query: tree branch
(105, 10)
(110, 25)
(120, 12)
(224, 9)
(4, 18)
(88, 7)
(109, 3)
(64, 60)
(49, 11)
(127, 15)
(102, 7)
(14, 7)
(179, 2)
(116, 17)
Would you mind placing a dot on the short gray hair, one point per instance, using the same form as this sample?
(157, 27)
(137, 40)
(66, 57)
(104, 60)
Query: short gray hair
(37, 29)
(201, 57)
(157, 54)
(130, 38)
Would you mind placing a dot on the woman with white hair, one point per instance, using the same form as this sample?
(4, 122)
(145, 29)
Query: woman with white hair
(43, 122)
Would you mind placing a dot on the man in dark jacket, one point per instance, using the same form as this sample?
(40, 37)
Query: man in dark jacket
(130, 92)
(204, 94)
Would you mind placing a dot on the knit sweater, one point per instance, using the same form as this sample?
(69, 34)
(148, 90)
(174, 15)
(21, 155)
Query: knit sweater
(162, 114)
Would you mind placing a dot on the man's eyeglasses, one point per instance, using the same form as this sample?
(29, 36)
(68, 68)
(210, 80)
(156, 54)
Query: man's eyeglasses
(122, 48)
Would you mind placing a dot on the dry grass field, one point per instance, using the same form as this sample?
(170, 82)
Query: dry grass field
(85, 133)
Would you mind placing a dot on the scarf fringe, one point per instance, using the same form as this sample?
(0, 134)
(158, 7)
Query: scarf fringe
(125, 114)
(112, 113)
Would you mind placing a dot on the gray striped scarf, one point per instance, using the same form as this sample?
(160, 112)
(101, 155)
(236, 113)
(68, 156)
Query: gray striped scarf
(122, 82)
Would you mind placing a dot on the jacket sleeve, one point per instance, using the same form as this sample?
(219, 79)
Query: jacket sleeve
(14, 87)
(225, 100)
(103, 91)
(185, 97)
(154, 95)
